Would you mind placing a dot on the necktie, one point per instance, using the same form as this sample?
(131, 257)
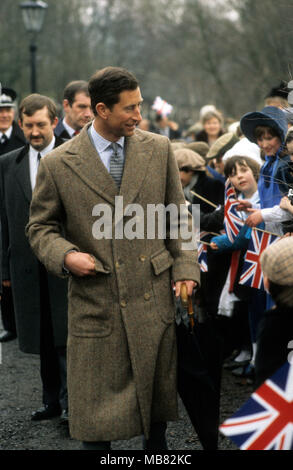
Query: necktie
(76, 133)
(39, 158)
(116, 164)
(4, 139)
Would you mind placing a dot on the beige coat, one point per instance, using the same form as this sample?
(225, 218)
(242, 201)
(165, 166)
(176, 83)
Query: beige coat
(121, 337)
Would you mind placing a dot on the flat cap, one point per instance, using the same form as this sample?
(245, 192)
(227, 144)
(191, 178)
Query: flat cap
(222, 145)
(200, 147)
(277, 264)
(178, 145)
(190, 159)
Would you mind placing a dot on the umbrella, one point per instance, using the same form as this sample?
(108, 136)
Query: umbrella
(199, 370)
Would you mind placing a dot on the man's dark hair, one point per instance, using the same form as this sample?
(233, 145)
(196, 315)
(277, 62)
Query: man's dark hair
(106, 85)
(35, 102)
(72, 88)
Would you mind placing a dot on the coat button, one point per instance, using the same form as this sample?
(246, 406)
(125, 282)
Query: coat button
(142, 258)
(117, 264)
(147, 296)
(123, 303)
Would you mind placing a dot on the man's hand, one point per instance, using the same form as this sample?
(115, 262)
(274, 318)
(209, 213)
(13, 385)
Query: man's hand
(243, 205)
(254, 218)
(80, 264)
(6, 283)
(189, 284)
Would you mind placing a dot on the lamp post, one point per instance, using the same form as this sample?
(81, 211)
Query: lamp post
(33, 13)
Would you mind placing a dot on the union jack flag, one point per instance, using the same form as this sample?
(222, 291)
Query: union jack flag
(252, 275)
(202, 252)
(232, 219)
(265, 421)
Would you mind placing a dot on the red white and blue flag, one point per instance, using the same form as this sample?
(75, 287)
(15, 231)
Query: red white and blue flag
(252, 275)
(232, 218)
(265, 421)
(202, 252)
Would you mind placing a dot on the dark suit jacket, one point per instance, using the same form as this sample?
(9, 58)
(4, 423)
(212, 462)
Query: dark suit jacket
(60, 131)
(19, 262)
(16, 140)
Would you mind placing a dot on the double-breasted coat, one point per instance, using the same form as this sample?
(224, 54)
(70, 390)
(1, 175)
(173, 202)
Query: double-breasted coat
(121, 338)
(20, 264)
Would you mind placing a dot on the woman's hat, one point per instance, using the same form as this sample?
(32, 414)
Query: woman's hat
(269, 116)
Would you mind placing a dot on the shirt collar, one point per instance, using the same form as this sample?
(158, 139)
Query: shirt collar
(7, 133)
(43, 152)
(101, 143)
(69, 129)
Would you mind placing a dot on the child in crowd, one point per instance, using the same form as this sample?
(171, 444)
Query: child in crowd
(236, 300)
(268, 130)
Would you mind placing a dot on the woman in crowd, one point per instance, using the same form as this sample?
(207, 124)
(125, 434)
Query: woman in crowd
(212, 123)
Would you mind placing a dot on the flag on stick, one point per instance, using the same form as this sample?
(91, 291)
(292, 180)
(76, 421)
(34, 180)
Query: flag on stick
(252, 275)
(232, 219)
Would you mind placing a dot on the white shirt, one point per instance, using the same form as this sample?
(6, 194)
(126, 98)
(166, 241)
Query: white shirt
(68, 128)
(103, 148)
(34, 163)
(7, 133)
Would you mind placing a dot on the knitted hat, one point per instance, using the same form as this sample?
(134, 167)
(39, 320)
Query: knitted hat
(277, 264)
(222, 144)
(189, 159)
(269, 116)
(244, 148)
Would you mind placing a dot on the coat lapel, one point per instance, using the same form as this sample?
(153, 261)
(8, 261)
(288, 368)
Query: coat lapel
(139, 150)
(83, 159)
(22, 173)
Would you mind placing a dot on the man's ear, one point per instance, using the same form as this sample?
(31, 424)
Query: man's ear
(102, 110)
(65, 104)
(20, 123)
(55, 122)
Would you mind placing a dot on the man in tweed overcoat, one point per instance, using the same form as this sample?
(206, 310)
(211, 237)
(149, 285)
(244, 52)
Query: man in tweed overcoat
(121, 332)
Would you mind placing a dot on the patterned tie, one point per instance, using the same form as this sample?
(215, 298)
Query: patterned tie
(116, 164)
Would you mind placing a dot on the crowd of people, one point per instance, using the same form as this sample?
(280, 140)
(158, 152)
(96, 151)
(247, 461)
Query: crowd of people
(105, 315)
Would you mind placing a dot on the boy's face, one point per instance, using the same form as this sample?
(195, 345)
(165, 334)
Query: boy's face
(269, 144)
(185, 176)
(243, 179)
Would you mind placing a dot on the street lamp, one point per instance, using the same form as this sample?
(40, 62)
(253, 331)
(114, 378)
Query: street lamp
(33, 13)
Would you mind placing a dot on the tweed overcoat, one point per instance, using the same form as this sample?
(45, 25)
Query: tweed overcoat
(121, 344)
(20, 264)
